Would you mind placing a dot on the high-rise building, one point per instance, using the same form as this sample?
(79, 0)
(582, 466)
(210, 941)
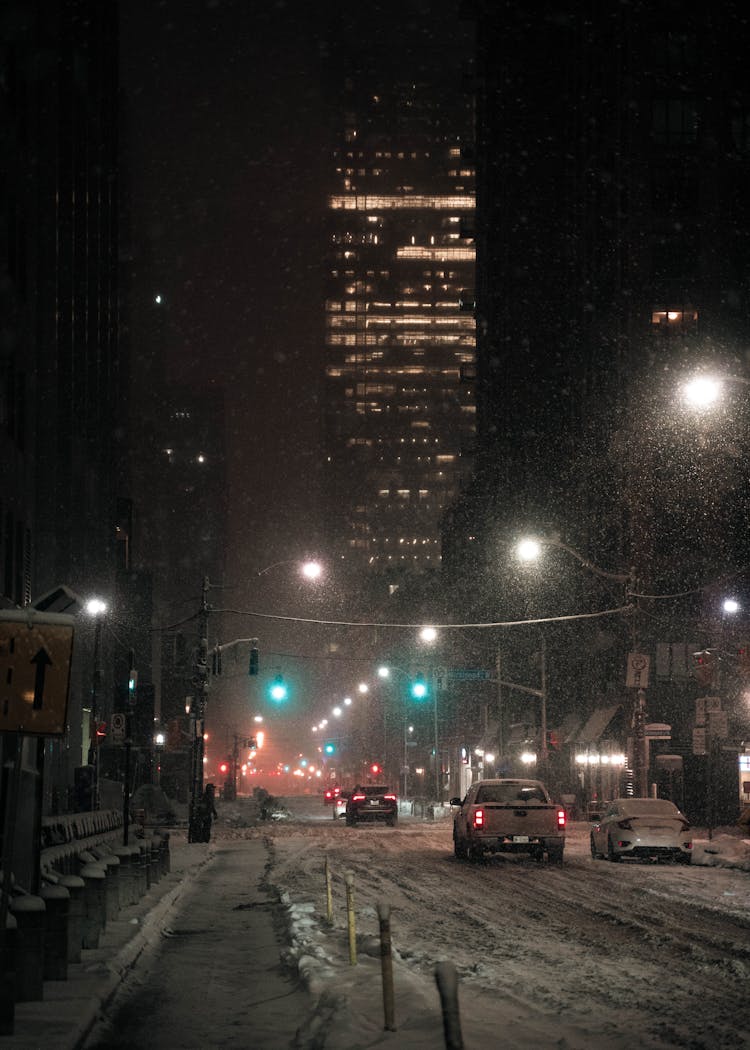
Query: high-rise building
(399, 323)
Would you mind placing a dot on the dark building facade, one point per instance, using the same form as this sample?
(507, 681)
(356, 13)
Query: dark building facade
(62, 380)
(612, 262)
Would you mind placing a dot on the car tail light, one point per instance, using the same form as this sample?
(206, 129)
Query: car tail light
(329, 794)
(358, 798)
(561, 818)
(390, 798)
(478, 818)
(625, 824)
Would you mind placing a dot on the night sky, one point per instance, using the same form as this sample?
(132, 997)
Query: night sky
(224, 139)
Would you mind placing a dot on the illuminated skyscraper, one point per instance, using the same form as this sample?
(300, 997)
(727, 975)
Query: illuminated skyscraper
(400, 330)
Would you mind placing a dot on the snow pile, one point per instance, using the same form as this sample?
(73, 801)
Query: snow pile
(722, 850)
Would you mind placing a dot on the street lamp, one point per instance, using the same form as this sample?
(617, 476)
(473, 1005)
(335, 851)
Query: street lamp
(529, 549)
(311, 569)
(96, 608)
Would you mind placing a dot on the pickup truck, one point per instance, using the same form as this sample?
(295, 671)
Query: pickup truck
(508, 816)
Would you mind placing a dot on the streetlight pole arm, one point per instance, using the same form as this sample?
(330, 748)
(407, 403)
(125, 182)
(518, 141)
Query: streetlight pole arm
(619, 577)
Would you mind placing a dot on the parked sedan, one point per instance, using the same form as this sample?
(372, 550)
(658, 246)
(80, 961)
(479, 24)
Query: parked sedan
(642, 828)
(372, 802)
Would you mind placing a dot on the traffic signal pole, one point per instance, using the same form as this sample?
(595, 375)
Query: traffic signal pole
(198, 714)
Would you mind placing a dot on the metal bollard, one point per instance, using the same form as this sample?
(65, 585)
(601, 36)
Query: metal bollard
(29, 913)
(57, 903)
(447, 982)
(329, 893)
(350, 918)
(95, 912)
(386, 965)
(76, 887)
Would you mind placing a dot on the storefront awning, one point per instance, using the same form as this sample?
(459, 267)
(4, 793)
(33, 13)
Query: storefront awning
(597, 724)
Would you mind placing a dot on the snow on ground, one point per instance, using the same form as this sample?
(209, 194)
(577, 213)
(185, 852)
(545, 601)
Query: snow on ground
(592, 955)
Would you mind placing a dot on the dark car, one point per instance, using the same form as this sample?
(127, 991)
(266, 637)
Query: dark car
(372, 802)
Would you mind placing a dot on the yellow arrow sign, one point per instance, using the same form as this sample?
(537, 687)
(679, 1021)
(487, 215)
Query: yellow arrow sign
(35, 657)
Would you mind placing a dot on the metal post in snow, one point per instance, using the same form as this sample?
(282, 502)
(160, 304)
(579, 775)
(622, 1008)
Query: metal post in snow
(386, 965)
(447, 982)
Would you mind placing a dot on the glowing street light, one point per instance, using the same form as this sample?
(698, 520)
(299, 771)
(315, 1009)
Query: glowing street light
(702, 392)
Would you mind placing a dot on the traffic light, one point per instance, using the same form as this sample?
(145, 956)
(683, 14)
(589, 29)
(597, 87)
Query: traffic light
(253, 668)
(704, 667)
(132, 684)
(375, 769)
(224, 768)
(278, 689)
(329, 748)
(419, 688)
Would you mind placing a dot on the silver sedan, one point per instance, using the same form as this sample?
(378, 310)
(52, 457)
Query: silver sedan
(644, 829)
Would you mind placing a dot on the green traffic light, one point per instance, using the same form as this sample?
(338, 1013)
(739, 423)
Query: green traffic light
(329, 748)
(278, 689)
(419, 689)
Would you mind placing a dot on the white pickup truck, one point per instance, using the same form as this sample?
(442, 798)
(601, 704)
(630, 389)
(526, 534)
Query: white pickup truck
(508, 816)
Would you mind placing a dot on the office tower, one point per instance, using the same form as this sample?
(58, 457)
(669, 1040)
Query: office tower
(399, 324)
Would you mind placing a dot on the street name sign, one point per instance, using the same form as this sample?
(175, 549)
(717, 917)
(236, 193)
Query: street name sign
(468, 674)
(658, 731)
(639, 665)
(35, 655)
(118, 728)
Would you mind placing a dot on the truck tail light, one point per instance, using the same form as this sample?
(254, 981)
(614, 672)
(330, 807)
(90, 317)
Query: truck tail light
(478, 818)
(561, 818)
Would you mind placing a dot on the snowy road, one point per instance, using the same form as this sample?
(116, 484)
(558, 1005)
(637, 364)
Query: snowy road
(589, 955)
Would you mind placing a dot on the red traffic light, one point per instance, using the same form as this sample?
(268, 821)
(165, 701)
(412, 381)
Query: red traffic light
(375, 768)
(223, 767)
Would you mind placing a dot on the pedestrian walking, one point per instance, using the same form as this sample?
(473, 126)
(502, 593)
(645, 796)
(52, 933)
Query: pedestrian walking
(206, 813)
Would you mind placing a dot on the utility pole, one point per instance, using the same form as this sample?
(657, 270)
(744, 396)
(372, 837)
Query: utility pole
(198, 713)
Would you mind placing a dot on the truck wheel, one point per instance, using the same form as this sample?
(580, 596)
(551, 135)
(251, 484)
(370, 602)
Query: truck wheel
(474, 854)
(555, 855)
(392, 821)
(459, 849)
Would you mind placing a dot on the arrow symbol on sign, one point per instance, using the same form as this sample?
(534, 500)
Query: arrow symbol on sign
(42, 662)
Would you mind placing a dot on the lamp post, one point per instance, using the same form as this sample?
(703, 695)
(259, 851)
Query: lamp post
(97, 608)
(529, 549)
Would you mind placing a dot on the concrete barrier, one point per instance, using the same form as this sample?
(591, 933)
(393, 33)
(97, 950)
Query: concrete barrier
(57, 903)
(95, 904)
(8, 977)
(75, 886)
(29, 913)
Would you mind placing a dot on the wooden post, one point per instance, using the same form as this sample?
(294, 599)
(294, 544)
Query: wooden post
(447, 982)
(329, 894)
(350, 921)
(386, 965)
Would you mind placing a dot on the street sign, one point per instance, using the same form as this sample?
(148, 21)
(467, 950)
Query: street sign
(638, 669)
(718, 724)
(699, 741)
(657, 731)
(117, 727)
(35, 654)
(468, 674)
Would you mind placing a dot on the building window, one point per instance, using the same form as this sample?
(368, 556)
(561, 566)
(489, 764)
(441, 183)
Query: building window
(674, 121)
